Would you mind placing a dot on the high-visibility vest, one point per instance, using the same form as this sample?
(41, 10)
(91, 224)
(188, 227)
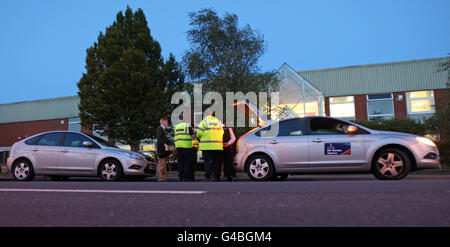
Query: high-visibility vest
(182, 137)
(210, 133)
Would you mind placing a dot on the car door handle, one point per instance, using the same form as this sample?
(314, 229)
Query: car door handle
(35, 149)
(65, 151)
(274, 142)
(317, 140)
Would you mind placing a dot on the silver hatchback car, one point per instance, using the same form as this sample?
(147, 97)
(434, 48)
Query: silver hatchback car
(329, 145)
(63, 154)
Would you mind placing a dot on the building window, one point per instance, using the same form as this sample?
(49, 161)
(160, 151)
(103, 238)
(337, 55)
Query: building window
(300, 109)
(342, 107)
(74, 124)
(420, 104)
(380, 106)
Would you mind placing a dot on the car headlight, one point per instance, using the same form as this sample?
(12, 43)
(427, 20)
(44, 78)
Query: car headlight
(135, 156)
(425, 141)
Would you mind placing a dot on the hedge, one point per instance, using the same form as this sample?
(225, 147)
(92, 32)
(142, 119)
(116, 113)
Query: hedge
(396, 124)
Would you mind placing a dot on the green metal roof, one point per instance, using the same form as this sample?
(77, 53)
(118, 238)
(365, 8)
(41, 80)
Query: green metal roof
(379, 78)
(62, 107)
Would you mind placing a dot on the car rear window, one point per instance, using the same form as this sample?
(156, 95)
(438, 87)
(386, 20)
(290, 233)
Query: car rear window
(33, 140)
(290, 127)
(51, 139)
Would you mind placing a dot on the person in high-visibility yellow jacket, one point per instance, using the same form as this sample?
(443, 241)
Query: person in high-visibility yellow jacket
(210, 133)
(185, 151)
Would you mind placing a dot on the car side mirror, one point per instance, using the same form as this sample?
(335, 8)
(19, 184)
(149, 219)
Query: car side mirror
(88, 144)
(351, 129)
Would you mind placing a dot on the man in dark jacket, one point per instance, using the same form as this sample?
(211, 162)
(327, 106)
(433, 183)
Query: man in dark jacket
(162, 148)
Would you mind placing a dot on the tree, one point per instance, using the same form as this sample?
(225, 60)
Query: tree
(440, 122)
(223, 56)
(127, 86)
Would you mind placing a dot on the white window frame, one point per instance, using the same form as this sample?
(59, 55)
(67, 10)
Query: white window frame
(408, 99)
(341, 103)
(391, 98)
(71, 121)
(385, 99)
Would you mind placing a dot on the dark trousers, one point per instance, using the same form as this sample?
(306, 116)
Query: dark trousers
(212, 159)
(227, 159)
(194, 159)
(185, 163)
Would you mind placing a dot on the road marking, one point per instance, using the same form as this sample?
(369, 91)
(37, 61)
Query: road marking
(108, 191)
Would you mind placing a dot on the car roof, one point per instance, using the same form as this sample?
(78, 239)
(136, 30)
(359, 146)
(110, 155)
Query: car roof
(328, 117)
(65, 131)
(54, 131)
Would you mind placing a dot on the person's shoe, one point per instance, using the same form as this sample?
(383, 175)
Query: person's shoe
(229, 179)
(207, 179)
(216, 179)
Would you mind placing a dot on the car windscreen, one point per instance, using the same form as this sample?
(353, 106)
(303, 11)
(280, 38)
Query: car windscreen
(102, 141)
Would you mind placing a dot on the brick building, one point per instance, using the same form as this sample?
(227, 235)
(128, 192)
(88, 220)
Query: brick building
(408, 89)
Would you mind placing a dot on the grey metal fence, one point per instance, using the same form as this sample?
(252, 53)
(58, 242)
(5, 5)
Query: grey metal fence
(4, 153)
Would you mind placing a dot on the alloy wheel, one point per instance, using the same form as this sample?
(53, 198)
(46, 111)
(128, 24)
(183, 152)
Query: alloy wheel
(390, 165)
(259, 168)
(22, 171)
(109, 171)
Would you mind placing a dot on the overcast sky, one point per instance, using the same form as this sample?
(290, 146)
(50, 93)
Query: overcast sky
(43, 43)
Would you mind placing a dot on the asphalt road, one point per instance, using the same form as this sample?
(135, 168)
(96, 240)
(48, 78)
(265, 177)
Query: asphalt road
(325, 200)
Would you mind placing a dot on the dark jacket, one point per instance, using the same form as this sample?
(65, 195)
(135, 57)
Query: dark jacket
(161, 139)
(226, 138)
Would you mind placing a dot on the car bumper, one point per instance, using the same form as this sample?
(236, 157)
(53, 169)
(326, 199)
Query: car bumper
(239, 162)
(133, 167)
(428, 164)
(427, 157)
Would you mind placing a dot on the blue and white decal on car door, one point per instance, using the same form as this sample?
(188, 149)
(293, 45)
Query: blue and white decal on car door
(340, 148)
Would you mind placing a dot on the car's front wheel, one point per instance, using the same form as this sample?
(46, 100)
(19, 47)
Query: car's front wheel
(22, 170)
(260, 168)
(391, 164)
(111, 170)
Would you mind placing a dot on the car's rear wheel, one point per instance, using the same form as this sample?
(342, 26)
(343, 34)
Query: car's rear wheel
(280, 177)
(22, 170)
(391, 164)
(260, 168)
(111, 170)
